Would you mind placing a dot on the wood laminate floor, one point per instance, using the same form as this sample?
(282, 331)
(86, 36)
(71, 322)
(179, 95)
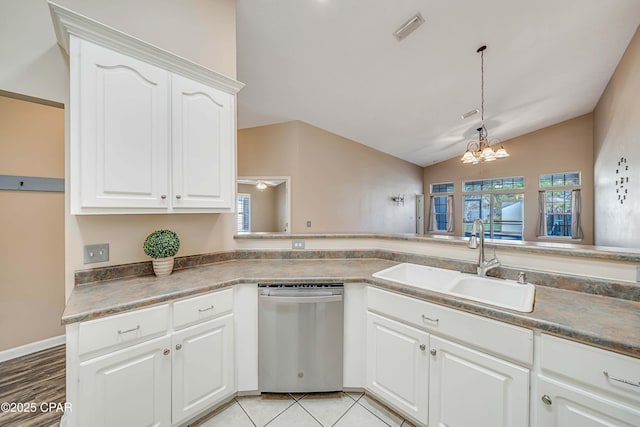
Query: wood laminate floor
(29, 385)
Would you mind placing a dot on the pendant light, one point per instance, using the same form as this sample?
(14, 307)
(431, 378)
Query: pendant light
(481, 151)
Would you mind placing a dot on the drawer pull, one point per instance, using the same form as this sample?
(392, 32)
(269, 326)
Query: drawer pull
(621, 380)
(201, 310)
(430, 319)
(546, 400)
(128, 330)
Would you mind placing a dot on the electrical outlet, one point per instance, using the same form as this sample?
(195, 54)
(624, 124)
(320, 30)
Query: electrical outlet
(297, 244)
(308, 224)
(96, 253)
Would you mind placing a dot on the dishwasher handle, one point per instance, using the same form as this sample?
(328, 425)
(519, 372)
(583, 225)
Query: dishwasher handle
(302, 300)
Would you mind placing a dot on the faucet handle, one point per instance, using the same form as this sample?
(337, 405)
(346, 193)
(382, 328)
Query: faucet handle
(522, 278)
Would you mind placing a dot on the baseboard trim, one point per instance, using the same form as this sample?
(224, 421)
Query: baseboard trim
(33, 347)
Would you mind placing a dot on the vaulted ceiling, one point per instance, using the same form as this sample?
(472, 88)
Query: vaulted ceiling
(336, 65)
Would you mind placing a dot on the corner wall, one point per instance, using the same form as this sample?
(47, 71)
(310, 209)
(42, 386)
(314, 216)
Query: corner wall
(337, 184)
(32, 225)
(617, 135)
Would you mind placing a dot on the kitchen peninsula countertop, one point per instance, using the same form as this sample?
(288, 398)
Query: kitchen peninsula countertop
(609, 323)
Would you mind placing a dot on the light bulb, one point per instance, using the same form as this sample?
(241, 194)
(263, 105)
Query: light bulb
(501, 153)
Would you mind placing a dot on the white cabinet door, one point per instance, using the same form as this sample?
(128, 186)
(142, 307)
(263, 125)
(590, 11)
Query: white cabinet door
(398, 366)
(120, 131)
(561, 405)
(470, 388)
(130, 387)
(203, 368)
(203, 145)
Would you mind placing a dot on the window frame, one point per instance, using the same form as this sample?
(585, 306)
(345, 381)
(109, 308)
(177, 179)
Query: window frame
(238, 213)
(559, 188)
(492, 193)
(445, 194)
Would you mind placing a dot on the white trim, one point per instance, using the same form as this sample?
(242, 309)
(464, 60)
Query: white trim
(68, 22)
(33, 347)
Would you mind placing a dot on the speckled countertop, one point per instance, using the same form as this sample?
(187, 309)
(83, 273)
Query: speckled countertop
(547, 248)
(609, 323)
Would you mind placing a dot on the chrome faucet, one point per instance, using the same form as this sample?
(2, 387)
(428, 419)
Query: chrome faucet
(475, 243)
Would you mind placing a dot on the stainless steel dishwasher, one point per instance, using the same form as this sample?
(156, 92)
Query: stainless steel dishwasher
(300, 337)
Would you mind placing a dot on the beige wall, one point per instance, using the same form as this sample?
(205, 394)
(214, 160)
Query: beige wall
(337, 184)
(32, 224)
(571, 143)
(264, 214)
(616, 135)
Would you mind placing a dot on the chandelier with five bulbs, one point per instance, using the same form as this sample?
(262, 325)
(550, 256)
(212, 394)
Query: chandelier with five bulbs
(482, 150)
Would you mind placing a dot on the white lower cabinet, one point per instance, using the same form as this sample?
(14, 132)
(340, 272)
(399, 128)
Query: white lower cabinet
(444, 368)
(470, 388)
(203, 373)
(584, 386)
(397, 365)
(129, 387)
(562, 405)
(146, 370)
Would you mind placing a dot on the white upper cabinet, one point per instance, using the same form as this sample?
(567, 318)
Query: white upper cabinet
(120, 145)
(150, 132)
(203, 160)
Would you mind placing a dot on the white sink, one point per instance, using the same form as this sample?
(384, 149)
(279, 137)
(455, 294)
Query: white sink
(498, 292)
(502, 293)
(419, 276)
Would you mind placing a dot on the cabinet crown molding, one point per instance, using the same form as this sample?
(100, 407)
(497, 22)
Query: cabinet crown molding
(67, 22)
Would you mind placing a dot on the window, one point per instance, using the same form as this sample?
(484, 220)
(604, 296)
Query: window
(244, 213)
(441, 208)
(559, 206)
(499, 202)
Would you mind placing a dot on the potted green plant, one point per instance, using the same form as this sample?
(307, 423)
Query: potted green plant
(162, 245)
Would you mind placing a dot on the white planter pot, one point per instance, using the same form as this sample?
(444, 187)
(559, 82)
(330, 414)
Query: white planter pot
(163, 266)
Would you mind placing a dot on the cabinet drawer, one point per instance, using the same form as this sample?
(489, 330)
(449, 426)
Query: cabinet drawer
(200, 308)
(496, 337)
(588, 365)
(127, 328)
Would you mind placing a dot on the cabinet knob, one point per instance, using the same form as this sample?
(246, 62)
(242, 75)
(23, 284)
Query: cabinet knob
(166, 351)
(423, 347)
(178, 346)
(433, 352)
(164, 196)
(546, 400)
(178, 196)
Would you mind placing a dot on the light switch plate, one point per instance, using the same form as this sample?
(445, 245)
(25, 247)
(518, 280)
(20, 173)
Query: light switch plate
(297, 244)
(96, 253)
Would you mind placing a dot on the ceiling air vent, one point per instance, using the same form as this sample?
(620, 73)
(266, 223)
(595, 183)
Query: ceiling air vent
(408, 27)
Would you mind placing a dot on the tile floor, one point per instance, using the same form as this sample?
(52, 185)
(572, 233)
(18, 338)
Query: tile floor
(302, 410)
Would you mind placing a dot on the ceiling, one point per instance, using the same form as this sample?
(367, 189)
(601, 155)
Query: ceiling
(336, 65)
